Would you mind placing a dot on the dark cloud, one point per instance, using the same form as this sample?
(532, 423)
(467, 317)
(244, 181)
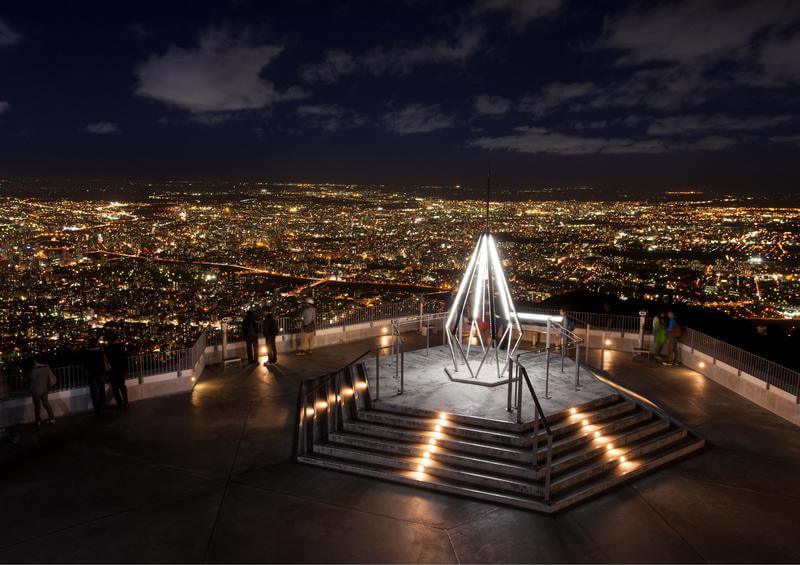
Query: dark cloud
(690, 125)
(486, 105)
(335, 65)
(695, 29)
(542, 141)
(221, 74)
(520, 12)
(417, 118)
(8, 36)
(330, 117)
(102, 128)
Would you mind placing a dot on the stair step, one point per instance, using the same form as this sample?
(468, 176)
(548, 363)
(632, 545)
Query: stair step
(431, 467)
(447, 456)
(425, 480)
(625, 472)
(579, 437)
(595, 417)
(594, 449)
(602, 462)
(489, 423)
(447, 426)
(507, 453)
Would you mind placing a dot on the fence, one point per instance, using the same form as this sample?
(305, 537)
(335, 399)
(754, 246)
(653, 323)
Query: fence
(340, 318)
(143, 365)
(743, 361)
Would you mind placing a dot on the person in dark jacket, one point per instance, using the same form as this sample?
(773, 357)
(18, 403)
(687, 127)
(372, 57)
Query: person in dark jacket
(250, 333)
(96, 365)
(270, 333)
(41, 378)
(118, 360)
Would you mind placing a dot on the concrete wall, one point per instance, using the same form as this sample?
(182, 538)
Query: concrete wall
(73, 401)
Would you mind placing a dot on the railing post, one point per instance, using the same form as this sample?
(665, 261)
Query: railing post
(519, 393)
(577, 366)
(402, 370)
(510, 382)
(548, 468)
(377, 375)
(588, 329)
(603, 350)
(535, 438)
(547, 375)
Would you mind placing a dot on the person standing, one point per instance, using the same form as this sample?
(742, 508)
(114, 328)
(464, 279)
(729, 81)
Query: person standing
(659, 335)
(308, 318)
(96, 365)
(41, 378)
(270, 333)
(674, 333)
(250, 333)
(118, 360)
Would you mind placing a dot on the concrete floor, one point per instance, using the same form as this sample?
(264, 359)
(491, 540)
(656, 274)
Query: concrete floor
(206, 477)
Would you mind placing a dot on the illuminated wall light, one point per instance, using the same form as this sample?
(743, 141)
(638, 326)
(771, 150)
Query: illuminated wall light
(702, 364)
(194, 379)
(348, 391)
(443, 416)
(608, 342)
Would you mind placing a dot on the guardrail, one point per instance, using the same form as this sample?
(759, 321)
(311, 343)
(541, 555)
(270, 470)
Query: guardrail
(140, 366)
(743, 361)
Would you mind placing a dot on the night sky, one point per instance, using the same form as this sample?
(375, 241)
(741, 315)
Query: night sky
(648, 96)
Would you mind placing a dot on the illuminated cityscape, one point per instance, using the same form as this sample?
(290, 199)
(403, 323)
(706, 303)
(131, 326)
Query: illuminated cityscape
(162, 266)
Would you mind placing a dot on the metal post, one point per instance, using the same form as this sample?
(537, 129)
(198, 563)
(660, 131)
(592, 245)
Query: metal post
(563, 348)
(519, 394)
(588, 329)
(421, 309)
(547, 469)
(535, 438)
(510, 382)
(224, 325)
(377, 375)
(402, 371)
(547, 375)
(603, 350)
(428, 338)
(642, 318)
(577, 366)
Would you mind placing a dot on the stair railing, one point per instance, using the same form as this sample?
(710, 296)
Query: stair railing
(518, 373)
(310, 406)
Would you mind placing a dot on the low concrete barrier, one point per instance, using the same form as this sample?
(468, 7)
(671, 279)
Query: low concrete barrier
(772, 398)
(19, 410)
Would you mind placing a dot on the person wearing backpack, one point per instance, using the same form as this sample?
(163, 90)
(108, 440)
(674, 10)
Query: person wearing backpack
(41, 378)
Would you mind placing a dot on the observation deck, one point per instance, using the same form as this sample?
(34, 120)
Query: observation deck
(207, 476)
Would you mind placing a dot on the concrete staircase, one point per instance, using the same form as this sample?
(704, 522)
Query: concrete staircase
(595, 446)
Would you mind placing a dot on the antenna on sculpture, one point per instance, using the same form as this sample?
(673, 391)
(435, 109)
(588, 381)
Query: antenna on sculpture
(488, 193)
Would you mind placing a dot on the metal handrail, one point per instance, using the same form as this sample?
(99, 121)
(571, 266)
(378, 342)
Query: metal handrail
(332, 374)
(538, 416)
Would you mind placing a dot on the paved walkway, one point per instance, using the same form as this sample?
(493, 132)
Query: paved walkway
(206, 477)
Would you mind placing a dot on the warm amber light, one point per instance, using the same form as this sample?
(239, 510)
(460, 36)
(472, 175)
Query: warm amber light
(438, 428)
